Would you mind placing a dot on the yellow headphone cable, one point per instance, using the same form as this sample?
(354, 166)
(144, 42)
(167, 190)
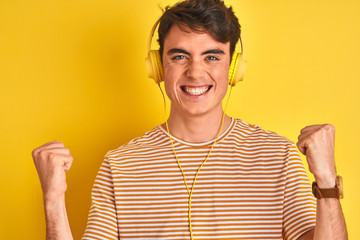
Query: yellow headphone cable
(177, 159)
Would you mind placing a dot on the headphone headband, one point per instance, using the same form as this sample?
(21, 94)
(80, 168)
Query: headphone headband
(152, 34)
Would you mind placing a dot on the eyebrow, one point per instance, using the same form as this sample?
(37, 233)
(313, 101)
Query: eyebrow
(210, 51)
(178, 50)
(213, 51)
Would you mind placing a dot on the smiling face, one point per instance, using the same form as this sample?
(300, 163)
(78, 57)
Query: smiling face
(196, 68)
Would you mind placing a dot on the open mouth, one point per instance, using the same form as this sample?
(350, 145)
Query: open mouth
(196, 90)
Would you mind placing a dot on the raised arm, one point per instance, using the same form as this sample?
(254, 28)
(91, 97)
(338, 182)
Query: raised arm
(317, 143)
(52, 160)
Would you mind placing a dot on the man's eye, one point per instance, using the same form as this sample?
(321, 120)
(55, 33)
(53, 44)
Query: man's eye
(212, 58)
(178, 57)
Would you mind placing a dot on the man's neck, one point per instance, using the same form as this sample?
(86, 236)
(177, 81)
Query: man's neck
(197, 129)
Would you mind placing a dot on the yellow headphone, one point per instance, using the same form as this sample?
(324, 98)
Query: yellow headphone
(155, 70)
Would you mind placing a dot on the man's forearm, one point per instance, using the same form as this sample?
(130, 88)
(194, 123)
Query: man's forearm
(57, 224)
(330, 222)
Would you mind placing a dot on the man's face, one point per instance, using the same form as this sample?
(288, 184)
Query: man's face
(196, 68)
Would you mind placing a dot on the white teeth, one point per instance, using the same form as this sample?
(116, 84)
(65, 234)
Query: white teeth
(195, 90)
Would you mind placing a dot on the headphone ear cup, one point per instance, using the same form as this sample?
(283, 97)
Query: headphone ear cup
(237, 68)
(154, 66)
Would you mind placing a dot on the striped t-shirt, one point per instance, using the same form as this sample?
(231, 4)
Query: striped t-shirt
(253, 186)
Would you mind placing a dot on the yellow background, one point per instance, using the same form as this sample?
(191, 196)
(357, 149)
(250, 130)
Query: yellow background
(74, 71)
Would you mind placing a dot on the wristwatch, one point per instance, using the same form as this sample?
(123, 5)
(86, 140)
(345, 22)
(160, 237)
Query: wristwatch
(336, 192)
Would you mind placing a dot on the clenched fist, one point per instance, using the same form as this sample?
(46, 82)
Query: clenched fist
(52, 160)
(317, 143)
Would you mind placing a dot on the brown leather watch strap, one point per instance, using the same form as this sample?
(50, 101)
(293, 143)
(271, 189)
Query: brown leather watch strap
(325, 192)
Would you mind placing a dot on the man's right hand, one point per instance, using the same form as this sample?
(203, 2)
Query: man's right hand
(52, 160)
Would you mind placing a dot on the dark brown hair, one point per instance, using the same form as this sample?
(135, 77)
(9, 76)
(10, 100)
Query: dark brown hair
(210, 16)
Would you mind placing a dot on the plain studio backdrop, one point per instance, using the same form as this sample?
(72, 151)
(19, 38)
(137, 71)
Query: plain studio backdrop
(75, 71)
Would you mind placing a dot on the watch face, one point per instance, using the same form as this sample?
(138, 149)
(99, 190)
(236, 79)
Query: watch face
(339, 185)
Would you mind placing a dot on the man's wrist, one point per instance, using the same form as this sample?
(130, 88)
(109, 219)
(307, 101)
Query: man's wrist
(329, 183)
(326, 181)
(53, 204)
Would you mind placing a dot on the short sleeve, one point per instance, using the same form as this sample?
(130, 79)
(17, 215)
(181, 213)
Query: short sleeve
(299, 203)
(102, 220)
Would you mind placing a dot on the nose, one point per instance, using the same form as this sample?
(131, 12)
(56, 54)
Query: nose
(195, 69)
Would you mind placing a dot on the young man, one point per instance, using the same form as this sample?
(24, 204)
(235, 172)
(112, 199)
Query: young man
(213, 177)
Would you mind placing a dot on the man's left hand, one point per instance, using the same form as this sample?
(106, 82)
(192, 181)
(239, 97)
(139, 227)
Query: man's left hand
(317, 143)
